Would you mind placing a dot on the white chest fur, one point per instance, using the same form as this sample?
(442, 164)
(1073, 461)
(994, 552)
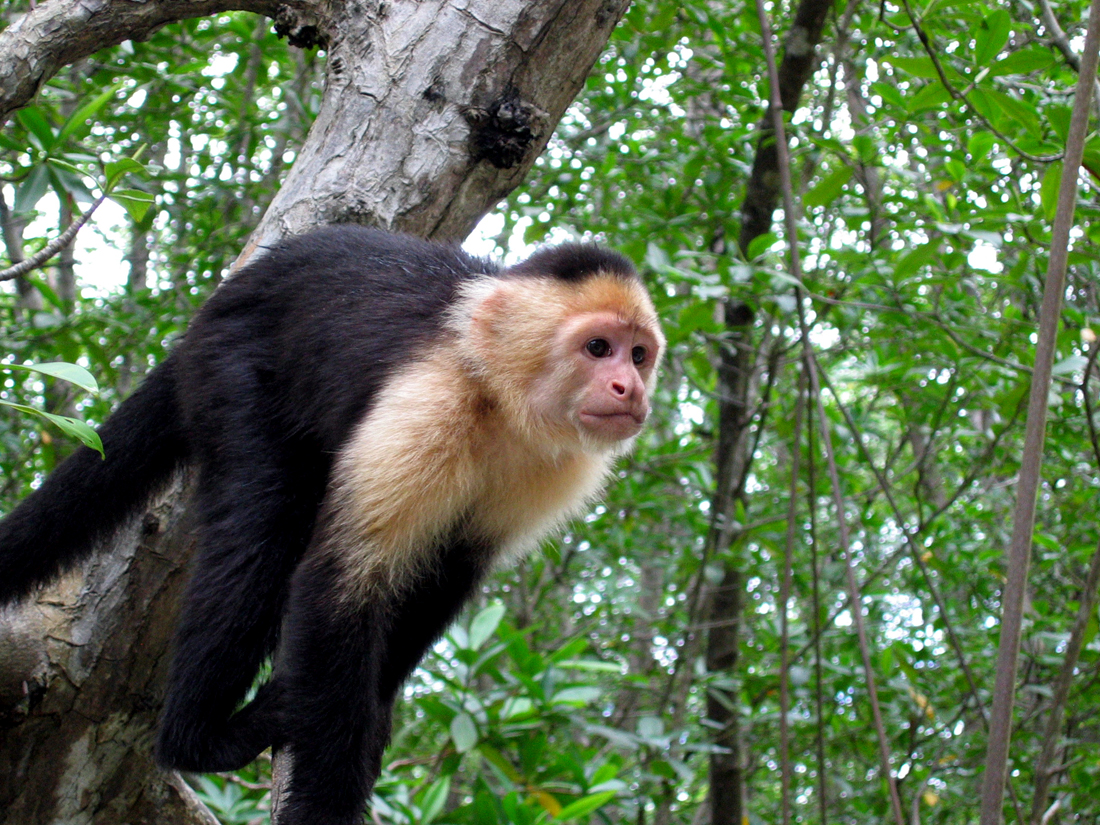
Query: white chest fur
(414, 472)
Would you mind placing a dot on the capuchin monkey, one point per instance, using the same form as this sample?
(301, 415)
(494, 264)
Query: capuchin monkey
(376, 421)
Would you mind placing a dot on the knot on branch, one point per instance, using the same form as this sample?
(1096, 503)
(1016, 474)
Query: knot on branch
(300, 28)
(505, 132)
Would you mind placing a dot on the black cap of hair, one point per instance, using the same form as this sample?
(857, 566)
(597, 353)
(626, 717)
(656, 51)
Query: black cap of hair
(575, 262)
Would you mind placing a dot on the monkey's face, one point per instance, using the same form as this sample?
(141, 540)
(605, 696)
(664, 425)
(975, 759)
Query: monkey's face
(572, 364)
(604, 372)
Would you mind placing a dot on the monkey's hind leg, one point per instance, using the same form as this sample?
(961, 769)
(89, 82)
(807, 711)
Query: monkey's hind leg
(335, 724)
(341, 667)
(256, 515)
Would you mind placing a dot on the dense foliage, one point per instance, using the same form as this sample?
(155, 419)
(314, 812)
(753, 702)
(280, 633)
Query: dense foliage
(576, 689)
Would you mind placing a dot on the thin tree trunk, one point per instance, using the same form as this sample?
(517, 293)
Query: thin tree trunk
(723, 618)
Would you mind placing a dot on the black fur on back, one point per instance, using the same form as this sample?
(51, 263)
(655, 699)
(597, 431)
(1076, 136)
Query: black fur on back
(323, 320)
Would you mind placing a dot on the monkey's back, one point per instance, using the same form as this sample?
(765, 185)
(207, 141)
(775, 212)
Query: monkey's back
(316, 327)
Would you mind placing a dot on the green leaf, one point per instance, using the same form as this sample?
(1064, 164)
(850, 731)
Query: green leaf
(72, 427)
(86, 112)
(828, 188)
(433, 800)
(36, 123)
(1091, 160)
(759, 245)
(11, 145)
(485, 624)
(996, 106)
(576, 696)
(69, 167)
(604, 773)
(1023, 61)
(956, 168)
(979, 144)
(116, 169)
(32, 189)
(1069, 365)
(1059, 117)
(1048, 190)
(463, 732)
(497, 760)
(991, 36)
(516, 706)
(134, 201)
(75, 428)
(66, 372)
(65, 182)
(915, 66)
(914, 259)
(931, 96)
(584, 805)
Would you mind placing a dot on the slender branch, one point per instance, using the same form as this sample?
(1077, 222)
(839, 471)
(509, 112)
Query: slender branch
(1027, 488)
(916, 554)
(1090, 422)
(53, 247)
(1058, 38)
(799, 61)
(809, 364)
(784, 605)
(819, 654)
(854, 593)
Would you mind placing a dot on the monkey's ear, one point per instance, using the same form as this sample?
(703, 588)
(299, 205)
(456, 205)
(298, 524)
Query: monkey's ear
(490, 308)
(508, 324)
(473, 318)
(490, 303)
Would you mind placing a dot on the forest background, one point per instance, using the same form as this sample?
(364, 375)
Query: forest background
(642, 668)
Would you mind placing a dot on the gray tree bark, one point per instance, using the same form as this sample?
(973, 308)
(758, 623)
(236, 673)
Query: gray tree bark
(433, 111)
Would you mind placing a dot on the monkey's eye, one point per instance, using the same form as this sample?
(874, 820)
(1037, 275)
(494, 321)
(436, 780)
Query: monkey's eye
(598, 348)
(637, 355)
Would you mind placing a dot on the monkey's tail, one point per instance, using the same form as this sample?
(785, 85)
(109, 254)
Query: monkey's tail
(85, 499)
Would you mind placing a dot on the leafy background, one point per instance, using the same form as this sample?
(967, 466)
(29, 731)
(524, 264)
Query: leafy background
(577, 688)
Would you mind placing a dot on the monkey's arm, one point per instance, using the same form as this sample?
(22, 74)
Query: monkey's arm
(257, 497)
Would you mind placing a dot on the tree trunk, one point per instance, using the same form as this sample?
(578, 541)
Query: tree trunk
(736, 363)
(723, 617)
(432, 112)
(81, 672)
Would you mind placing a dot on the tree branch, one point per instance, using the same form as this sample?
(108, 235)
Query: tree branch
(799, 60)
(53, 247)
(55, 34)
(1027, 488)
(1044, 768)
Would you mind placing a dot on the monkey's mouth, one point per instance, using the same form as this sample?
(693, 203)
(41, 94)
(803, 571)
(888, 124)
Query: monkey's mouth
(616, 425)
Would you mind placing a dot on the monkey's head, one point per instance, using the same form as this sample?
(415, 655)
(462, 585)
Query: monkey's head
(573, 358)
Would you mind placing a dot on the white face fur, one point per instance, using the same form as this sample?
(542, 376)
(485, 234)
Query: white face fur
(603, 372)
